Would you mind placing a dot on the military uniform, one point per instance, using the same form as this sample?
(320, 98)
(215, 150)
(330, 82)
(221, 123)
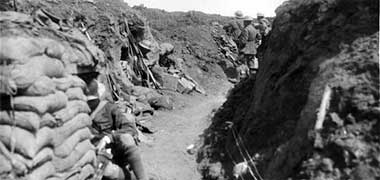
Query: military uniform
(264, 26)
(234, 29)
(116, 130)
(249, 38)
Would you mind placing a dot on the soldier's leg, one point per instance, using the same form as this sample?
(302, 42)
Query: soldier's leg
(129, 153)
(113, 172)
(253, 65)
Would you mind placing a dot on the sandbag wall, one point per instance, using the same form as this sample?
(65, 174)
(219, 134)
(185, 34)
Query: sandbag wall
(44, 131)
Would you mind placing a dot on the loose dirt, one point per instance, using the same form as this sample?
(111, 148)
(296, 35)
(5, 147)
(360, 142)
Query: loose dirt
(166, 157)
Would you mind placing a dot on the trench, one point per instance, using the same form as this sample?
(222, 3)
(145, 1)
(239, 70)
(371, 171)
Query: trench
(273, 114)
(166, 156)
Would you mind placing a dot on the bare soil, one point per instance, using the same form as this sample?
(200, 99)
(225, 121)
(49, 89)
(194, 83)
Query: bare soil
(166, 156)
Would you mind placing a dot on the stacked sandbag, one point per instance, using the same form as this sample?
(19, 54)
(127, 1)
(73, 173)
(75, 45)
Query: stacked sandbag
(44, 132)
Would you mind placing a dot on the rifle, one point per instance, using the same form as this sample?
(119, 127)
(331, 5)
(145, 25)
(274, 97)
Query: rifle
(141, 63)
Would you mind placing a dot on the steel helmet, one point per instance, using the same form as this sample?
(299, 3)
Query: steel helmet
(239, 14)
(248, 18)
(146, 44)
(260, 14)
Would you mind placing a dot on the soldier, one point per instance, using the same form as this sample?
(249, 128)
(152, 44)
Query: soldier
(235, 27)
(249, 38)
(117, 130)
(264, 24)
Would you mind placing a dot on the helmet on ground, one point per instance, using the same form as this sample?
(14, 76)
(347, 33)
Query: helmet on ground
(146, 44)
(260, 14)
(239, 14)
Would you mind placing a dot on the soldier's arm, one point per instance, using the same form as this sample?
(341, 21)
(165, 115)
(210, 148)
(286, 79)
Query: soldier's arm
(244, 36)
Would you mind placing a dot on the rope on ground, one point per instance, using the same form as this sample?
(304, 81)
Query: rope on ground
(241, 153)
(234, 131)
(233, 161)
(238, 141)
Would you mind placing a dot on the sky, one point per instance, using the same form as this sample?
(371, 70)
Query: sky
(222, 7)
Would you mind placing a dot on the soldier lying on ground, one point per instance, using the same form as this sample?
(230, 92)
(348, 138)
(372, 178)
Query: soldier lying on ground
(112, 128)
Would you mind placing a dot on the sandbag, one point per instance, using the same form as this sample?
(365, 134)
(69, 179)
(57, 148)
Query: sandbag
(75, 94)
(41, 157)
(19, 49)
(163, 102)
(79, 57)
(45, 155)
(78, 122)
(42, 172)
(88, 158)
(74, 177)
(68, 82)
(84, 57)
(72, 109)
(69, 144)
(147, 96)
(140, 90)
(26, 74)
(66, 175)
(25, 142)
(7, 85)
(18, 164)
(141, 108)
(166, 48)
(47, 120)
(69, 57)
(45, 137)
(169, 82)
(86, 172)
(54, 49)
(62, 164)
(24, 119)
(5, 165)
(41, 87)
(41, 104)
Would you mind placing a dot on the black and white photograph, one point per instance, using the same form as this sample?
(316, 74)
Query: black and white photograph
(189, 90)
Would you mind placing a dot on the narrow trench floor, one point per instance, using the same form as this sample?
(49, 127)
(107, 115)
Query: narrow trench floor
(165, 156)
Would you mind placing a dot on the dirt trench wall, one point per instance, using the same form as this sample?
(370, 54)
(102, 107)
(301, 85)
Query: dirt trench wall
(313, 43)
(191, 34)
(105, 23)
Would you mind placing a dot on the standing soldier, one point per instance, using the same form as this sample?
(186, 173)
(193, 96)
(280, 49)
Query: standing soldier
(264, 24)
(249, 39)
(264, 27)
(235, 27)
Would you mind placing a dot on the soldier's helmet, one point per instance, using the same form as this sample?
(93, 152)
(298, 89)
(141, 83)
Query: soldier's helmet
(239, 14)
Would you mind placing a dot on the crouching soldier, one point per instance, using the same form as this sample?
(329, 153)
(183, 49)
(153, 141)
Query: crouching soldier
(114, 129)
